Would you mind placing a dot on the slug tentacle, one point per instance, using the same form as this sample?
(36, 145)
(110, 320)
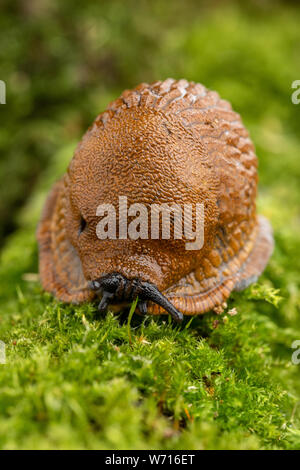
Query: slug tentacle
(105, 301)
(142, 306)
(150, 292)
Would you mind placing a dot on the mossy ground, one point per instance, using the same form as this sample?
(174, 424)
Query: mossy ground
(74, 379)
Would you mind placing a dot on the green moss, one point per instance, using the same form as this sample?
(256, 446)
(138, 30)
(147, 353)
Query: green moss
(74, 379)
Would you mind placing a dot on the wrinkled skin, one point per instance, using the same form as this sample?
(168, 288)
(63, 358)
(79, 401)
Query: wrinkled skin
(169, 142)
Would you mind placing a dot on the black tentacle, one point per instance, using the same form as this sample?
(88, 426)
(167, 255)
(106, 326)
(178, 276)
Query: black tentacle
(106, 297)
(115, 287)
(142, 306)
(150, 292)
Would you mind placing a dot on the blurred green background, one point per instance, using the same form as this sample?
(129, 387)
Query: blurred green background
(62, 62)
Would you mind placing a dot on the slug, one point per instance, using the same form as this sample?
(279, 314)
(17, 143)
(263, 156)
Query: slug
(167, 143)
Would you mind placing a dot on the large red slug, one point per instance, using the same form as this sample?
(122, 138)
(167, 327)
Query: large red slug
(171, 142)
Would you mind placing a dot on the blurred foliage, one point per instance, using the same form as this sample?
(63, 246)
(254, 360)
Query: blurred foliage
(64, 61)
(74, 380)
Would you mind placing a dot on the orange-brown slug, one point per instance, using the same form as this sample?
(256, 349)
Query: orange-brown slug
(171, 142)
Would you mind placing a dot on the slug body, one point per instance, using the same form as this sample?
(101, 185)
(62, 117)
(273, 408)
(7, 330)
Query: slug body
(171, 142)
